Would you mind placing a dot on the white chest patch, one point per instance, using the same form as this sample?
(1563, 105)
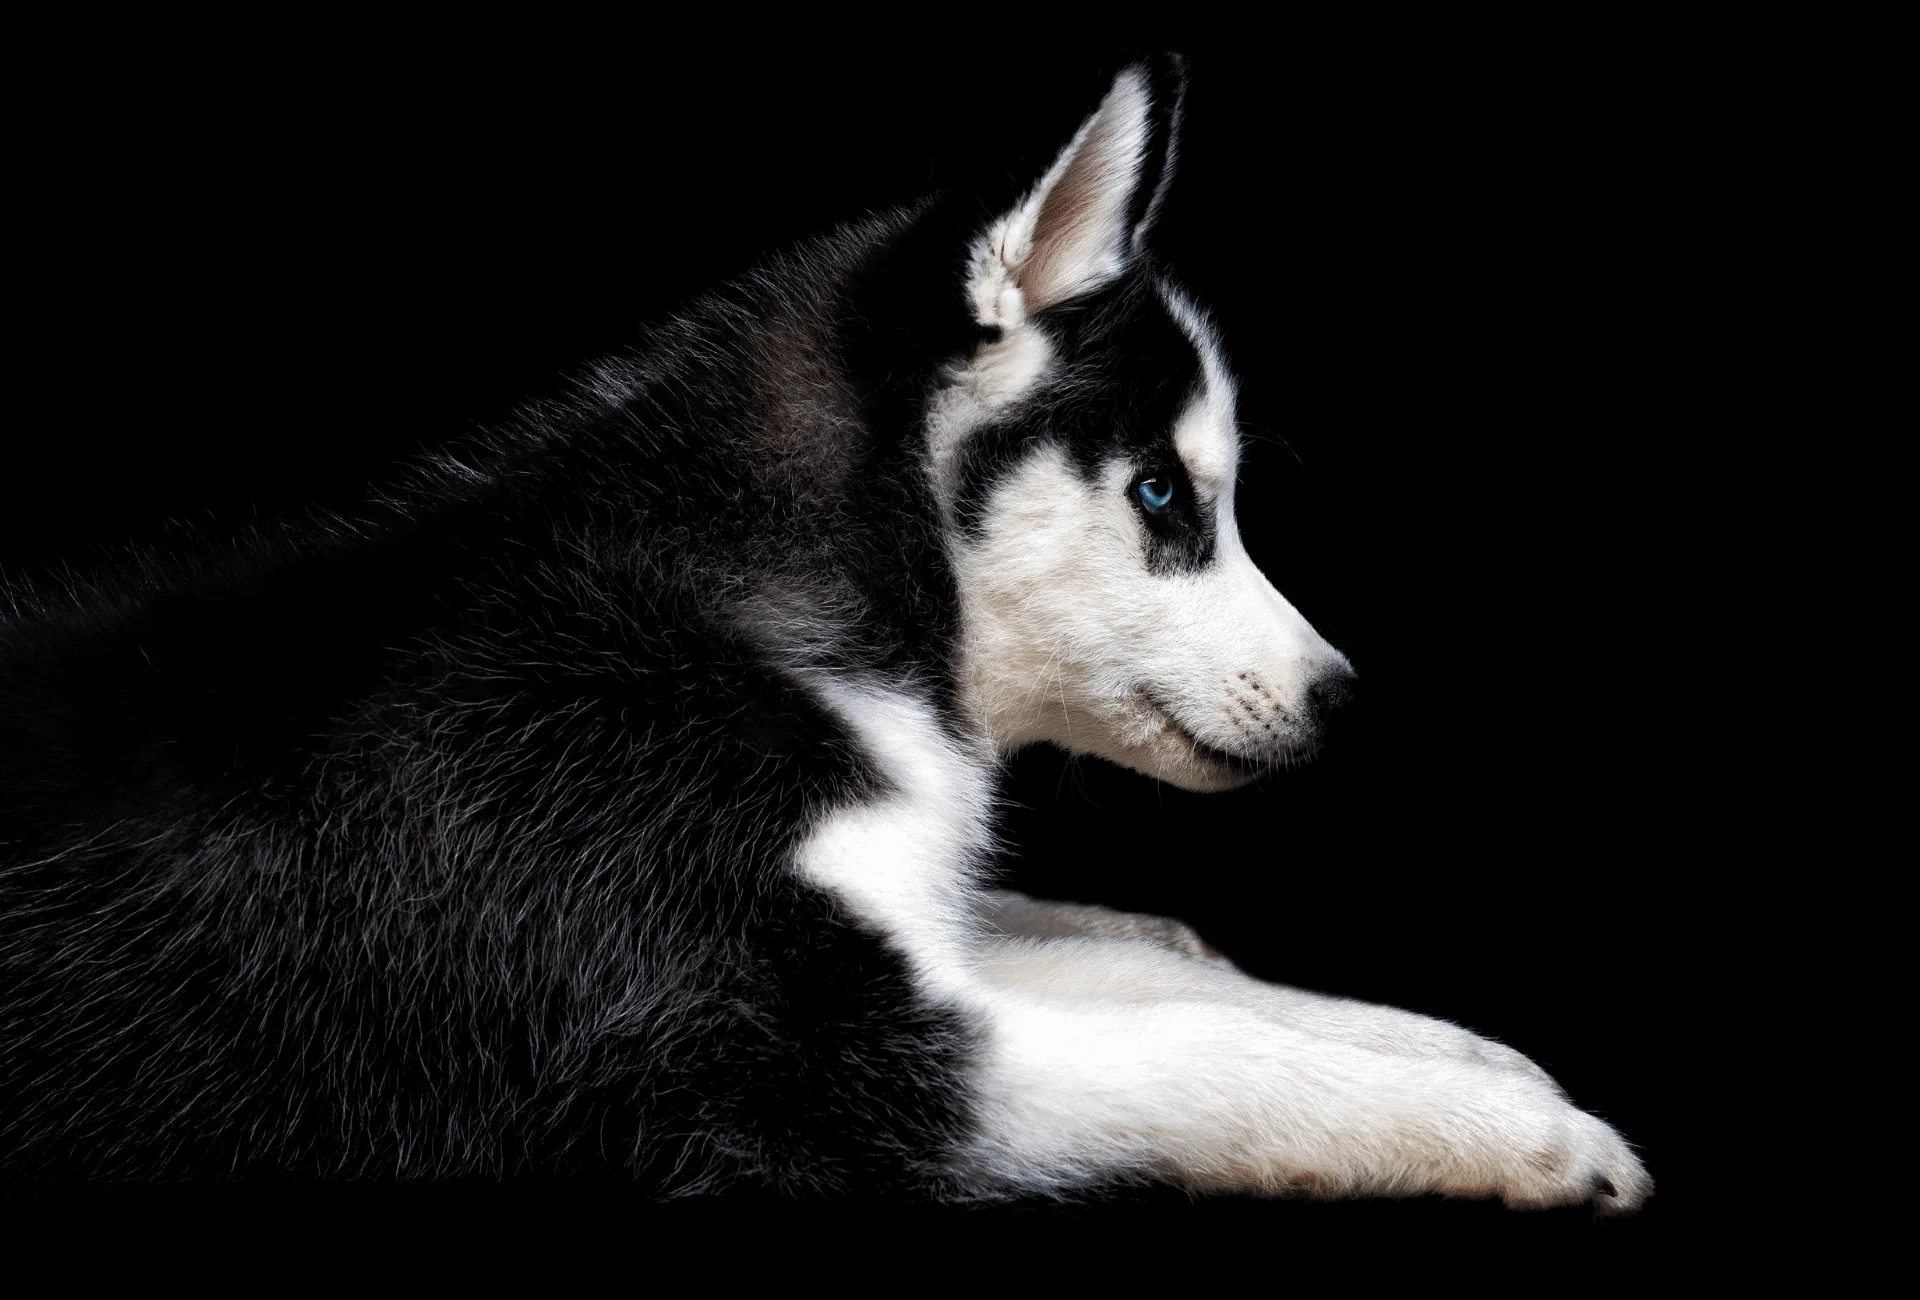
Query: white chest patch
(903, 859)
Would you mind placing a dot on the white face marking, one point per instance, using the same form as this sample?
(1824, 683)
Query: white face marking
(1207, 435)
(994, 378)
(1069, 636)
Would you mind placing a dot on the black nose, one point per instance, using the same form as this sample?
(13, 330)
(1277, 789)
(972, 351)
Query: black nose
(1331, 698)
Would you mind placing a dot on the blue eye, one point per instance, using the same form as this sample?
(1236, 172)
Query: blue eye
(1156, 494)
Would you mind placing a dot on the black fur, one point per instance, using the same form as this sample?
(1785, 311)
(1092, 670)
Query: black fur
(452, 839)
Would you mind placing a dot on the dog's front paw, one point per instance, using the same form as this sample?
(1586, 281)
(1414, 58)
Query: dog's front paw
(1015, 914)
(1176, 936)
(1575, 1159)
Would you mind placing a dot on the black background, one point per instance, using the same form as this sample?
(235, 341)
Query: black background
(1469, 300)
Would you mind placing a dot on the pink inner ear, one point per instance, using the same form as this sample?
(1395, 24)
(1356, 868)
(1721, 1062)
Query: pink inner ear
(1079, 237)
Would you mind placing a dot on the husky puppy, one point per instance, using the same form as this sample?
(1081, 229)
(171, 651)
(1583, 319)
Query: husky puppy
(617, 795)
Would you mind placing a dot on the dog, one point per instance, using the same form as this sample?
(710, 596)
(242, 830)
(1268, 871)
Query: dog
(615, 795)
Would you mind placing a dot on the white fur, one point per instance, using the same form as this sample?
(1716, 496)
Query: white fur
(1112, 1058)
(904, 859)
(1207, 435)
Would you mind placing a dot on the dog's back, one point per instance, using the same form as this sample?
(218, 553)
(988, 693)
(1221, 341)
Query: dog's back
(446, 839)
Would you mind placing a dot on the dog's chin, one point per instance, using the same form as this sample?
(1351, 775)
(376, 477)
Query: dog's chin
(1146, 737)
(1201, 770)
(1171, 753)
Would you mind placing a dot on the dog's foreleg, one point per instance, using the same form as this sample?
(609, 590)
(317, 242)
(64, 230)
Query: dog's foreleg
(1387, 1029)
(1098, 1067)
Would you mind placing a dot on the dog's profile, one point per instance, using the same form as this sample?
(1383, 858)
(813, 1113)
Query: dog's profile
(617, 795)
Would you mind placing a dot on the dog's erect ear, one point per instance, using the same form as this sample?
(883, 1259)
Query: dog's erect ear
(1088, 217)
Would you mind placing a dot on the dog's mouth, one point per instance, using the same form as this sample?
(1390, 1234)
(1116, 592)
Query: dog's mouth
(1238, 766)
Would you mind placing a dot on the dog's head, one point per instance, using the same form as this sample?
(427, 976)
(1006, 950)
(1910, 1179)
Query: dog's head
(1086, 458)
